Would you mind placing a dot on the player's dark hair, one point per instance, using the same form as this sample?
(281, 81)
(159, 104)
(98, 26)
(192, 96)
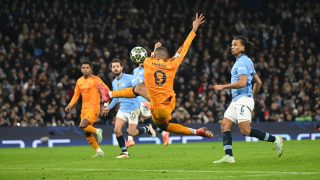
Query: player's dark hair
(86, 62)
(248, 45)
(162, 51)
(116, 60)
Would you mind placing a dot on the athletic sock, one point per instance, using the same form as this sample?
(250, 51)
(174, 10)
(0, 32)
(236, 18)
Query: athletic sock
(122, 143)
(227, 143)
(93, 142)
(142, 130)
(159, 129)
(262, 135)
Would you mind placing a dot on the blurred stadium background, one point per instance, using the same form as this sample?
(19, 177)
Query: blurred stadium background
(43, 42)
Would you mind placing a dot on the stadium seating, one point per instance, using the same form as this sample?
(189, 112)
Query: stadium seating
(43, 42)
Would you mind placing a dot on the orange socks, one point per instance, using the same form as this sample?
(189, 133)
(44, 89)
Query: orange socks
(124, 93)
(179, 129)
(90, 129)
(92, 141)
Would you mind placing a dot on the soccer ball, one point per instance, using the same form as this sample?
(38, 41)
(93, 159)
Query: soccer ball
(138, 54)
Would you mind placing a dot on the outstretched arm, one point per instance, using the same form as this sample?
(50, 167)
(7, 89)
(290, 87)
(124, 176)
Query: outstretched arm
(237, 85)
(197, 22)
(180, 54)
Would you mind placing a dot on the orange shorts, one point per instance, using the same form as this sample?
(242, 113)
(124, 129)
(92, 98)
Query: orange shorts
(90, 115)
(161, 113)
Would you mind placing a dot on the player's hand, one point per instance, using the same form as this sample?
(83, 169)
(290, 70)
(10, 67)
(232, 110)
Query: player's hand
(197, 22)
(158, 44)
(153, 54)
(218, 87)
(68, 108)
(104, 111)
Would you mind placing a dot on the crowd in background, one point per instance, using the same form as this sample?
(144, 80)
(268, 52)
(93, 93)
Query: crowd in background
(42, 44)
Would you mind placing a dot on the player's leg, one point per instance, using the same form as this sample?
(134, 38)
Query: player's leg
(246, 130)
(141, 90)
(134, 130)
(244, 115)
(161, 115)
(91, 139)
(226, 127)
(146, 114)
(165, 135)
(88, 118)
(138, 90)
(86, 124)
(121, 120)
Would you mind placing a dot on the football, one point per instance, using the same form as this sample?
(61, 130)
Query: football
(138, 54)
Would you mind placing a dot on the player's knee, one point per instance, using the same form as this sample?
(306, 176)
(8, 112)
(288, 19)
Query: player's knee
(138, 89)
(117, 131)
(163, 127)
(245, 131)
(87, 134)
(225, 126)
(130, 131)
(83, 124)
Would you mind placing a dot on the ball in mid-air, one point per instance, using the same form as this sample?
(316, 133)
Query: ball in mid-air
(138, 54)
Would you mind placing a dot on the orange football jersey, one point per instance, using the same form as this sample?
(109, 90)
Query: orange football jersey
(88, 90)
(159, 74)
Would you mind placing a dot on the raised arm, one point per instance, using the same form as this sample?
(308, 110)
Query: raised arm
(197, 22)
(180, 54)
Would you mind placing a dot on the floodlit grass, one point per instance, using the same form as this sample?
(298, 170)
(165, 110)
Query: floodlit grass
(300, 160)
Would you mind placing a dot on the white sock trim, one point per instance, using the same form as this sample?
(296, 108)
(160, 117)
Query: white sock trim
(194, 131)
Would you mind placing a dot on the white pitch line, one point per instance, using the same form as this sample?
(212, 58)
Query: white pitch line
(170, 170)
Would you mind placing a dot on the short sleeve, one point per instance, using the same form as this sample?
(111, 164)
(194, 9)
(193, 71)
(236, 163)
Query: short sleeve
(242, 70)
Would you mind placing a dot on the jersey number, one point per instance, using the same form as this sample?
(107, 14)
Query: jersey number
(242, 110)
(159, 77)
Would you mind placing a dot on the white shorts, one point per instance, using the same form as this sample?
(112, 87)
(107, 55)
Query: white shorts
(145, 110)
(130, 117)
(240, 110)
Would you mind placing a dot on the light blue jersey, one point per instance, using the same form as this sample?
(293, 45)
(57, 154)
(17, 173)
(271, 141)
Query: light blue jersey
(126, 104)
(243, 66)
(138, 73)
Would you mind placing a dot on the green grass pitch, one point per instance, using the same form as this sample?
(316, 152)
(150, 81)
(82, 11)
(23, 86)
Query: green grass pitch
(300, 160)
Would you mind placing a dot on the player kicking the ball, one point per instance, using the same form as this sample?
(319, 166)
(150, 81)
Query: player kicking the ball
(160, 71)
(145, 111)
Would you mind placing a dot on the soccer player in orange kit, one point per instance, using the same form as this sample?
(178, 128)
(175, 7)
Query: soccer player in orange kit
(160, 71)
(86, 86)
